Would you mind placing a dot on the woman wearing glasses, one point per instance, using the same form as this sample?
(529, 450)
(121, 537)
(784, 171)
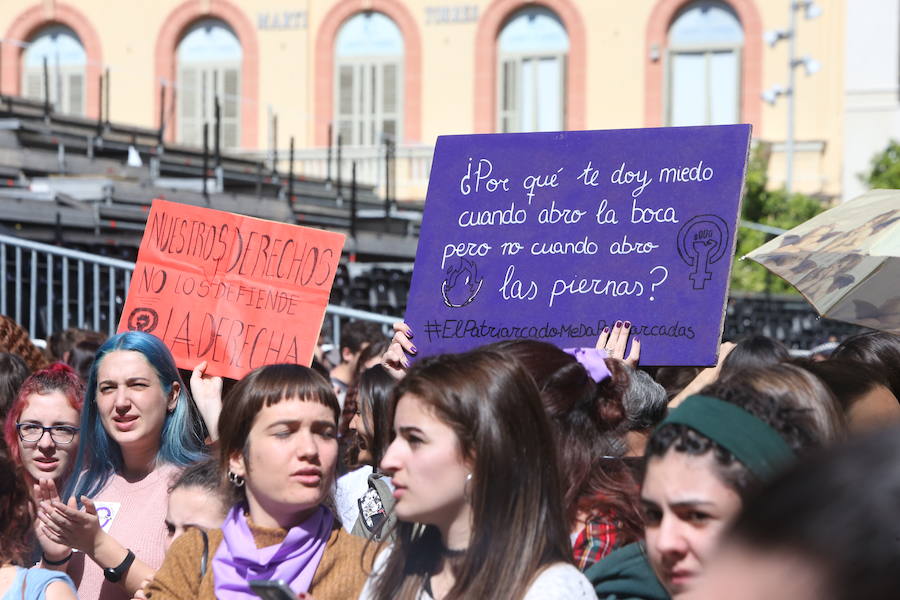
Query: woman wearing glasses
(136, 431)
(41, 430)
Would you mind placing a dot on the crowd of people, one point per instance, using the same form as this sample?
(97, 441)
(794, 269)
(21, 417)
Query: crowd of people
(516, 470)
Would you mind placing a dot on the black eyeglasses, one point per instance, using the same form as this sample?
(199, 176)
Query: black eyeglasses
(33, 432)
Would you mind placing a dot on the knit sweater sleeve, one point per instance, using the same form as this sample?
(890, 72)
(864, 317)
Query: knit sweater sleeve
(179, 576)
(344, 567)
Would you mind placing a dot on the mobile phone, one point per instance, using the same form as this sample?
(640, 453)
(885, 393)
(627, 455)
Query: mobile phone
(272, 589)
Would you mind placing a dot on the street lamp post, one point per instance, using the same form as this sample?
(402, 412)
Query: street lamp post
(771, 95)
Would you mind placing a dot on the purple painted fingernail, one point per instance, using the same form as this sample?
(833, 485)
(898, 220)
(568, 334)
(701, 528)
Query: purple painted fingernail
(413, 349)
(618, 323)
(606, 330)
(627, 324)
(409, 333)
(636, 340)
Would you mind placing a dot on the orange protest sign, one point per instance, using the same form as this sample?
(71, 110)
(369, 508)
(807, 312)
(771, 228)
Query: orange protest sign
(236, 291)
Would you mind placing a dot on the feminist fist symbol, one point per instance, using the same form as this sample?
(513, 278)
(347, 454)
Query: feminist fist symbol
(701, 242)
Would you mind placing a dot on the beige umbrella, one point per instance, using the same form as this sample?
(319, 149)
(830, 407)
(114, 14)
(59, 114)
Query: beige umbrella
(845, 261)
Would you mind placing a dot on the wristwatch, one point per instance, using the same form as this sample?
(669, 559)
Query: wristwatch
(114, 574)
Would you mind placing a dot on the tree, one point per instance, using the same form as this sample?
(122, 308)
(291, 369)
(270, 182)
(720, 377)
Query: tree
(768, 207)
(885, 172)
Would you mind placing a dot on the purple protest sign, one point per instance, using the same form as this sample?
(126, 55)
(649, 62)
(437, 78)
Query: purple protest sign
(554, 236)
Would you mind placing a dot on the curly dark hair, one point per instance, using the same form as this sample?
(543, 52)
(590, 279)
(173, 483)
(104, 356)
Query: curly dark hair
(16, 512)
(792, 423)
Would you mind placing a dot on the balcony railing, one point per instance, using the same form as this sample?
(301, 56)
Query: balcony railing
(409, 173)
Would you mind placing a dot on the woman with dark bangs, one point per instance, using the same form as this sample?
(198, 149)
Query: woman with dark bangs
(477, 494)
(278, 446)
(585, 406)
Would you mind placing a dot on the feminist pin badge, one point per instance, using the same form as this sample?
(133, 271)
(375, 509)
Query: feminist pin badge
(702, 241)
(106, 512)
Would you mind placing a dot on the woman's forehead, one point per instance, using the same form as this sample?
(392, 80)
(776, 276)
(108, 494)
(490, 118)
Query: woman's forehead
(123, 364)
(413, 410)
(51, 401)
(677, 477)
(295, 409)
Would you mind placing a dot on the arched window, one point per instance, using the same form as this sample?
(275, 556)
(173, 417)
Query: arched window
(533, 46)
(369, 83)
(704, 65)
(209, 66)
(66, 62)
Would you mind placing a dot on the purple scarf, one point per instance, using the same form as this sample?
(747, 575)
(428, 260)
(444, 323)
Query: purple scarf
(294, 560)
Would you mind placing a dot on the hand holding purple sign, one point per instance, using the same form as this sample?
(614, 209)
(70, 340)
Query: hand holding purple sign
(541, 235)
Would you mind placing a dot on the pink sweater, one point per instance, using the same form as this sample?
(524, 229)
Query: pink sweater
(138, 513)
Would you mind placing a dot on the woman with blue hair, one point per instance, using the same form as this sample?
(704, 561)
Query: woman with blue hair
(137, 429)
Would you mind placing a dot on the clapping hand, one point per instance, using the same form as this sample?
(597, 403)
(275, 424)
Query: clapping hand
(45, 491)
(62, 523)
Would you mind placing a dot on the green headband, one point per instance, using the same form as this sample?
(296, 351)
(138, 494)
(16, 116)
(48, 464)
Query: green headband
(752, 441)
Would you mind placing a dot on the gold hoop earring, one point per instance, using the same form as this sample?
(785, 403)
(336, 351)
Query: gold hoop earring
(467, 493)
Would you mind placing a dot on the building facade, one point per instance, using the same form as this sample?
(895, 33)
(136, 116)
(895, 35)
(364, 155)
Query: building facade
(408, 71)
(872, 104)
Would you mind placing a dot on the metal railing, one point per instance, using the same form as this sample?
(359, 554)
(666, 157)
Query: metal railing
(412, 164)
(47, 288)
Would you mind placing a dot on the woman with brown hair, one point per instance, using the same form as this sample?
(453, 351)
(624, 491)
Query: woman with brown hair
(790, 384)
(476, 489)
(16, 524)
(600, 492)
(278, 446)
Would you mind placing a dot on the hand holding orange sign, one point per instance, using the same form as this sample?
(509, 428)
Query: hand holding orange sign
(235, 291)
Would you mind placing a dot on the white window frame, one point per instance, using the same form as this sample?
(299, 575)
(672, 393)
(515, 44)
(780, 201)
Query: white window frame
(360, 118)
(59, 77)
(519, 59)
(209, 74)
(61, 95)
(706, 50)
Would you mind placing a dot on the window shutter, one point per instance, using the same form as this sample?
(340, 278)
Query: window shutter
(564, 92)
(231, 102)
(189, 107)
(390, 91)
(75, 94)
(345, 128)
(34, 84)
(509, 103)
(231, 93)
(347, 84)
(345, 91)
(368, 100)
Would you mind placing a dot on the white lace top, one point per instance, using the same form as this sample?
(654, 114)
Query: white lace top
(560, 581)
